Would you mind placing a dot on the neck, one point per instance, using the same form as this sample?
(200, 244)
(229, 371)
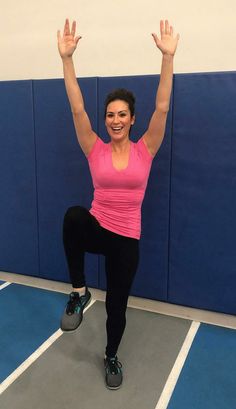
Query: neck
(120, 146)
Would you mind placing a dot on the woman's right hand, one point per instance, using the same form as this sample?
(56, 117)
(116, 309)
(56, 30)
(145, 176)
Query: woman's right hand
(68, 42)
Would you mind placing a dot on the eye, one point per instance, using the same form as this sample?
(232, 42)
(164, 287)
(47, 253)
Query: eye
(123, 114)
(109, 115)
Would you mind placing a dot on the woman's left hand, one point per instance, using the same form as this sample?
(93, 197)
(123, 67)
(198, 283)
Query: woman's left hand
(168, 43)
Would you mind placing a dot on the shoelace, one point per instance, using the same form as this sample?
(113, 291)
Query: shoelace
(113, 365)
(72, 303)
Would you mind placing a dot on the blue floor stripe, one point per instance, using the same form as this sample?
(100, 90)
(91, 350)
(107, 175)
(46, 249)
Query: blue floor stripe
(208, 379)
(26, 311)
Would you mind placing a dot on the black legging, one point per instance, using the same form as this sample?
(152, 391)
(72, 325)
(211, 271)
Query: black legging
(82, 233)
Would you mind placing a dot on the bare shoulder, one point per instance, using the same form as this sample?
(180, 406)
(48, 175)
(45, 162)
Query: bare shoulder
(96, 148)
(151, 150)
(84, 132)
(88, 145)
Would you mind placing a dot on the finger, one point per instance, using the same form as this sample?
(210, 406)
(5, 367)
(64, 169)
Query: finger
(77, 39)
(171, 31)
(73, 28)
(167, 27)
(176, 41)
(162, 28)
(154, 36)
(67, 27)
(156, 39)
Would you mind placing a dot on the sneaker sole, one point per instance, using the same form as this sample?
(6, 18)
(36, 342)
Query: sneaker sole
(70, 331)
(113, 388)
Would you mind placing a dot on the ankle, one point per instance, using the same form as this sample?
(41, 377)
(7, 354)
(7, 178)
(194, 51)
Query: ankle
(80, 290)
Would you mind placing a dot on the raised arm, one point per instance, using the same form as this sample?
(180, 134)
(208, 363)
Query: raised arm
(167, 44)
(67, 44)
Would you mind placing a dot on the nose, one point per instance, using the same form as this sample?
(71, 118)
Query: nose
(116, 119)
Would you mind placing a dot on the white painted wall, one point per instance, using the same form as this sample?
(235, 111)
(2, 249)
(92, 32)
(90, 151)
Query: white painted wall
(116, 36)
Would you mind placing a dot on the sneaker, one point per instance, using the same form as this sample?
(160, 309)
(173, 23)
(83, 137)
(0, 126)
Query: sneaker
(73, 313)
(113, 373)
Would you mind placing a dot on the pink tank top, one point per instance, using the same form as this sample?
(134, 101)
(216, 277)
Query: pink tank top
(118, 194)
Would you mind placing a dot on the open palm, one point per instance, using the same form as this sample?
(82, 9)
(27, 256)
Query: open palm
(68, 42)
(167, 44)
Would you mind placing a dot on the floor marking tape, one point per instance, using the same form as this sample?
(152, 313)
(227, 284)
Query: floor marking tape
(177, 368)
(32, 358)
(4, 285)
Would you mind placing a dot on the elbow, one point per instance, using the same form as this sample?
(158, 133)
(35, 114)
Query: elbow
(77, 109)
(163, 108)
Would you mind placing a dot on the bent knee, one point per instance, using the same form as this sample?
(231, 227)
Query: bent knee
(75, 214)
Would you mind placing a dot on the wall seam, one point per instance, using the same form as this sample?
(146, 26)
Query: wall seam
(170, 188)
(97, 124)
(36, 174)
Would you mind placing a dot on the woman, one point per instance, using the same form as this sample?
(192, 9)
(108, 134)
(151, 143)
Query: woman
(120, 171)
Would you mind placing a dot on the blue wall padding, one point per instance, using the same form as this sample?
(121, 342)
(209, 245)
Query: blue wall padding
(203, 192)
(188, 244)
(63, 177)
(18, 215)
(151, 278)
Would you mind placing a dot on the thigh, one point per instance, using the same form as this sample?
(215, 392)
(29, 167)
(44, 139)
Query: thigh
(121, 264)
(86, 229)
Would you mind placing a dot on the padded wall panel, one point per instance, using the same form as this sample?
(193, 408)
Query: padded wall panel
(18, 215)
(203, 192)
(63, 174)
(151, 278)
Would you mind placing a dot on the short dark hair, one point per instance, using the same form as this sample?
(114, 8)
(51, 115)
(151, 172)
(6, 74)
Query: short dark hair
(122, 94)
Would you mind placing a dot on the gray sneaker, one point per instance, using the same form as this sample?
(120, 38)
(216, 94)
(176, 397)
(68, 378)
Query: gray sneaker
(73, 314)
(113, 373)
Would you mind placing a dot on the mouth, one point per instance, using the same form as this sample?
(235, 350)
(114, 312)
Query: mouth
(116, 129)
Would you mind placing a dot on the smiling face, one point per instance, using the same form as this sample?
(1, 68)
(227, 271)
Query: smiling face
(118, 120)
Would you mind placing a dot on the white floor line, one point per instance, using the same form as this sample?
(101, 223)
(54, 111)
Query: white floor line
(32, 358)
(4, 285)
(177, 368)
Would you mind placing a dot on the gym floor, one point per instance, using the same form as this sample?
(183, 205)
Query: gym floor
(173, 357)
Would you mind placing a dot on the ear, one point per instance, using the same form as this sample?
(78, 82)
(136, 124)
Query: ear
(133, 120)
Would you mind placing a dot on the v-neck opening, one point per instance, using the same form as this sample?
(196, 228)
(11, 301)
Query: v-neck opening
(124, 169)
